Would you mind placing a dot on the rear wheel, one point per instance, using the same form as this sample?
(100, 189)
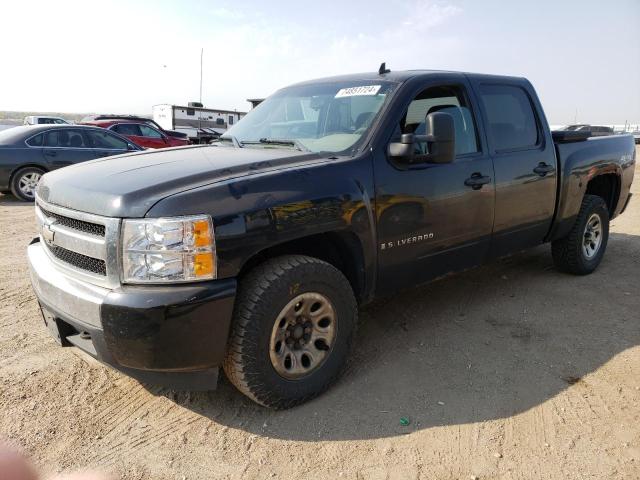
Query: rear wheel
(24, 183)
(581, 251)
(293, 325)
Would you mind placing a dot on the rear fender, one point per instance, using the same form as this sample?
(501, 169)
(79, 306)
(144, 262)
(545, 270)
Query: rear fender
(580, 163)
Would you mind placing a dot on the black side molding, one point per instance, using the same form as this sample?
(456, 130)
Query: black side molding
(566, 136)
(626, 203)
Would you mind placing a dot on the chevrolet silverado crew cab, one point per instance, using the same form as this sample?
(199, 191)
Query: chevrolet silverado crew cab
(254, 253)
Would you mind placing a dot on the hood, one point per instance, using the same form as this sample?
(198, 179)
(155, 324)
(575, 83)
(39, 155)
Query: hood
(129, 185)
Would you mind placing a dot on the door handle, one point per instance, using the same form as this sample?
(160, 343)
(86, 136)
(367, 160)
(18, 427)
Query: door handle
(542, 169)
(477, 180)
(51, 153)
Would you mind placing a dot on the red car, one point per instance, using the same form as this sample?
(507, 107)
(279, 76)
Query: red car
(140, 133)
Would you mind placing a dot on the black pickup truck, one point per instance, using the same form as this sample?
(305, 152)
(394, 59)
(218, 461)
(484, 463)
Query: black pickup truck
(254, 253)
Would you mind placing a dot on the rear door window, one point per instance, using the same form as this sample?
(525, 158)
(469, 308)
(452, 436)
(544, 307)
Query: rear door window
(511, 120)
(65, 139)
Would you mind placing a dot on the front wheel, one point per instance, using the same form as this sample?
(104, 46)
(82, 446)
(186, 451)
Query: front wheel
(293, 324)
(24, 183)
(581, 251)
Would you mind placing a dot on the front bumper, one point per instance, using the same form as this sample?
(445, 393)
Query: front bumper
(172, 335)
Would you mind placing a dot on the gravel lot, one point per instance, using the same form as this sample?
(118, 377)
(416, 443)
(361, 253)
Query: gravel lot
(509, 371)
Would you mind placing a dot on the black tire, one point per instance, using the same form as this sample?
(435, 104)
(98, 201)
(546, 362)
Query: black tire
(568, 253)
(262, 296)
(16, 188)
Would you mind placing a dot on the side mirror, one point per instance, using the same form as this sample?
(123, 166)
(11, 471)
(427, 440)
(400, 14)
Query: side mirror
(131, 147)
(439, 137)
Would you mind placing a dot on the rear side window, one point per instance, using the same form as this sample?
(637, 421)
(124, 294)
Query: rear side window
(512, 122)
(65, 139)
(128, 129)
(36, 141)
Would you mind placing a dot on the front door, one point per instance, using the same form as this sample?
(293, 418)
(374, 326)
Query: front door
(431, 218)
(152, 138)
(105, 143)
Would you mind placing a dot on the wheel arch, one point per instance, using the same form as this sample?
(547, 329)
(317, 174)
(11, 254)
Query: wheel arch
(607, 187)
(342, 249)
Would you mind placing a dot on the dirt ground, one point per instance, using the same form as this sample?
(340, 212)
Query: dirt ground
(510, 371)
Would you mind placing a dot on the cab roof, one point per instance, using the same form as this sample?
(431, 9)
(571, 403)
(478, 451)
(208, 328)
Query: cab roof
(402, 76)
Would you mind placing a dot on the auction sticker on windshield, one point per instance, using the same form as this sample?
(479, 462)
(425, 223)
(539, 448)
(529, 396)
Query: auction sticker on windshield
(354, 91)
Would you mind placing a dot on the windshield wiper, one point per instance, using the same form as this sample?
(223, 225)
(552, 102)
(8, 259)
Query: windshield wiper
(277, 141)
(232, 139)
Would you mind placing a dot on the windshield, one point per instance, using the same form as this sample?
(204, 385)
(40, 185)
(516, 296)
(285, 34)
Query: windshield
(324, 117)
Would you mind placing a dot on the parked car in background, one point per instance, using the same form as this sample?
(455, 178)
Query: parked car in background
(134, 118)
(35, 120)
(140, 133)
(579, 126)
(596, 130)
(28, 152)
(600, 131)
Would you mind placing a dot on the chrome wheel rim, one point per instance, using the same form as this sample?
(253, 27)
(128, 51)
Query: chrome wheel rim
(28, 183)
(592, 238)
(303, 335)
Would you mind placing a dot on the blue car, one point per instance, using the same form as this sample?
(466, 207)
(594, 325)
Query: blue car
(28, 152)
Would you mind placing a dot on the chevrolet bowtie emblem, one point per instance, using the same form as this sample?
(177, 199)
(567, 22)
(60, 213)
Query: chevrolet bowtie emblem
(48, 234)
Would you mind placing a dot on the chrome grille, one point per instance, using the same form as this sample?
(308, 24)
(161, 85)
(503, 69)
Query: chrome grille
(81, 226)
(82, 245)
(78, 260)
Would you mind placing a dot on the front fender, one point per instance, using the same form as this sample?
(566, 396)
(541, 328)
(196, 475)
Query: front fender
(260, 211)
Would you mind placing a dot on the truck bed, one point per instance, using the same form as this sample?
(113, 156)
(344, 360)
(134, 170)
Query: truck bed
(580, 158)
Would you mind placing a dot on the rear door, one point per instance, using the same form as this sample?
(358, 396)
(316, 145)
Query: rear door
(66, 146)
(105, 143)
(524, 162)
(430, 221)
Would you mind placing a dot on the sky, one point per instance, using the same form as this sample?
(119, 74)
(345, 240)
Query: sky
(124, 56)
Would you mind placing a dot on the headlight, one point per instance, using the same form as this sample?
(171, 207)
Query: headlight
(163, 250)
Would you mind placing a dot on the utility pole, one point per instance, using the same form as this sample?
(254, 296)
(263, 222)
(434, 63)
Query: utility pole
(201, 53)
